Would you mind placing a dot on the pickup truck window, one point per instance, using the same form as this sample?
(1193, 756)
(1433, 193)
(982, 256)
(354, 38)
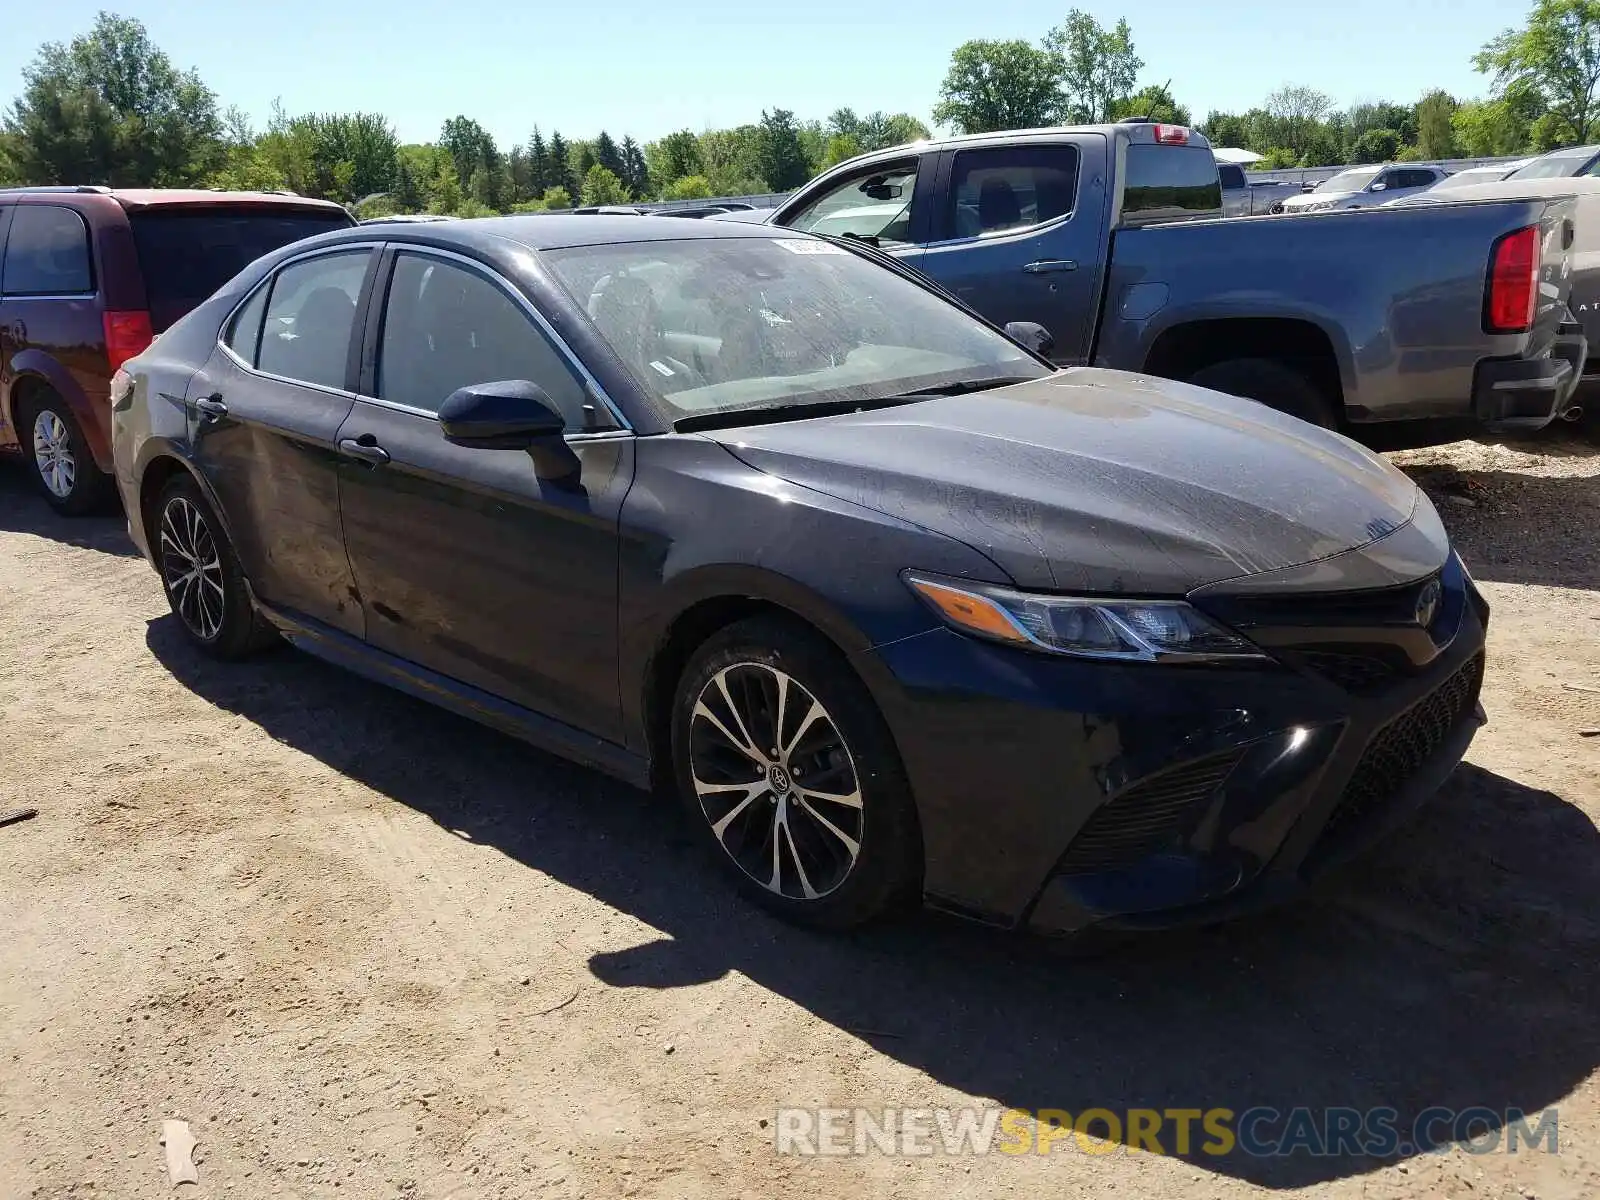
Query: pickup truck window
(1009, 187)
(1165, 183)
(1232, 176)
(876, 204)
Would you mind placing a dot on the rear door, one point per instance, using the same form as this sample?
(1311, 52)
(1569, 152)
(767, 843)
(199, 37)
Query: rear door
(467, 562)
(1017, 232)
(265, 412)
(186, 252)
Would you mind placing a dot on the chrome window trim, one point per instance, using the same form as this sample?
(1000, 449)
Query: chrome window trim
(51, 295)
(1015, 230)
(590, 383)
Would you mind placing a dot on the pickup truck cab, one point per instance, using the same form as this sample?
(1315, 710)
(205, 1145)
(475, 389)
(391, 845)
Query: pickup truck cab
(1111, 237)
(1245, 197)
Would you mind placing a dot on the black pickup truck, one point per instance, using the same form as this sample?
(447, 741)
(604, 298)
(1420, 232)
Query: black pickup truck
(1112, 238)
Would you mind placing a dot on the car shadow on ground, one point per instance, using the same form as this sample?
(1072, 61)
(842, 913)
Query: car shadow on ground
(23, 510)
(1457, 968)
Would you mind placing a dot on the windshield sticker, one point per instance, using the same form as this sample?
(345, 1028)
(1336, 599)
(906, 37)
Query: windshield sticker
(796, 246)
(662, 368)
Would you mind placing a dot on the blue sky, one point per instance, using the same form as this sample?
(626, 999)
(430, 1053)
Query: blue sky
(647, 67)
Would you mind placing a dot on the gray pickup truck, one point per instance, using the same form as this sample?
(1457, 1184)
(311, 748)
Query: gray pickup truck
(1111, 238)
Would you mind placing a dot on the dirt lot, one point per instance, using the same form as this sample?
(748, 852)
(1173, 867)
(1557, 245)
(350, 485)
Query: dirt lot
(368, 949)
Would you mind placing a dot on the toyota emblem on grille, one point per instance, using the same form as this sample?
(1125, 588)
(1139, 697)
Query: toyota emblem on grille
(1428, 603)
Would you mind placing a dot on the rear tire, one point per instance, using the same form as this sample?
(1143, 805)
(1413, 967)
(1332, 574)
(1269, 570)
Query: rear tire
(823, 832)
(201, 575)
(1271, 382)
(58, 456)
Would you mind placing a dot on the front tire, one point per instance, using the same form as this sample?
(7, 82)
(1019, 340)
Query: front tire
(58, 456)
(1268, 381)
(201, 575)
(791, 778)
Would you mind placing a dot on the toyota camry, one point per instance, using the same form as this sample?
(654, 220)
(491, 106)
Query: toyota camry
(895, 608)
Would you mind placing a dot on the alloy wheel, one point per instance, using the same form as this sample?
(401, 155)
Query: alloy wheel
(776, 781)
(52, 453)
(192, 568)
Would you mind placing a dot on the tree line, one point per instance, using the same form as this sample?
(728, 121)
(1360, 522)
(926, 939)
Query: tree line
(1542, 75)
(110, 107)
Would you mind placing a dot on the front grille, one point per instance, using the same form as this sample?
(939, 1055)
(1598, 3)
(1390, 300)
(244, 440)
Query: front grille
(1361, 674)
(1404, 744)
(1146, 817)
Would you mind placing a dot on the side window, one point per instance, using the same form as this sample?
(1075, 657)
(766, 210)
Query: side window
(47, 253)
(1010, 187)
(446, 327)
(306, 334)
(244, 334)
(877, 204)
(1232, 177)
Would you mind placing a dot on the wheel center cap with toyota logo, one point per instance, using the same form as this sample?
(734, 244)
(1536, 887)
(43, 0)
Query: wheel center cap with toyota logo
(778, 778)
(1428, 602)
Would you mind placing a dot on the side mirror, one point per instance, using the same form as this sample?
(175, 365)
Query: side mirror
(511, 414)
(1032, 335)
(1380, 186)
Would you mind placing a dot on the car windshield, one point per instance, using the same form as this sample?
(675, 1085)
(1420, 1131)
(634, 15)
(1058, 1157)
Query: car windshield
(1561, 164)
(721, 325)
(1349, 181)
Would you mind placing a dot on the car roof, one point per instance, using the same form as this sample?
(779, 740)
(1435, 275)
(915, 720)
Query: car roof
(555, 231)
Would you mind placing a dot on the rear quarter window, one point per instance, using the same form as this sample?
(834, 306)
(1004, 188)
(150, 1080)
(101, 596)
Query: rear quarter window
(1167, 183)
(186, 254)
(47, 253)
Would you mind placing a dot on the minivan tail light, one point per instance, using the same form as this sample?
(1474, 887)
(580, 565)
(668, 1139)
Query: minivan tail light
(127, 333)
(1172, 135)
(1513, 291)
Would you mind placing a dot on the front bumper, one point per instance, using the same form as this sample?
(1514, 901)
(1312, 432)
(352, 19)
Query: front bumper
(1529, 393)
(1059, 794)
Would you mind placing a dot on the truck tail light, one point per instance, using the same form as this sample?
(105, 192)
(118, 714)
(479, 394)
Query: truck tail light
(1512, 295)
(127, 333)
(1172, 135)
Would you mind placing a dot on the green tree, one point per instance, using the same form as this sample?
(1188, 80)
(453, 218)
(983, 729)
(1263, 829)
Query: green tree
(1435, 129)
(609, 155)
(1375, 146)
(781, 159)
(109, 107)
(407, 193)
(559, 173)
(1557, 55)
(999, 85)
(557, 197)
(878, 130)
(469, 146)
(1097, 66)
(518, 188)
(1298, 112)
(688, 187)
(1498, 127)
(1154, 101)
(732, 159)
(636, 171)
(444, 191)
(1227, 129)
(582, 157)
(601, 186)
(538, 163)
(674, 157)
(840, 147)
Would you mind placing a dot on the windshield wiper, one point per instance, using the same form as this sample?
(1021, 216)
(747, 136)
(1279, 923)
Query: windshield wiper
(963, 386)
(728, 417)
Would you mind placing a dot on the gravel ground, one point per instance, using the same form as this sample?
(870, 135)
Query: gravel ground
(368, 949)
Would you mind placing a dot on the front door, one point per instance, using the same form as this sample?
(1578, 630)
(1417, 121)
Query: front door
(467, 562)
(886, 204)
(1017, 237)
(264, 413)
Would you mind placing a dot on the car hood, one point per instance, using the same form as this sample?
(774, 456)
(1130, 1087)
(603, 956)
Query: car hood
(1099, 481)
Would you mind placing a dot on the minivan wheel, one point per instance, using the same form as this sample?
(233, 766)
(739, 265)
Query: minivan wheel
(791, 777)
(59, 456)
(201, 575)
(1268, 381)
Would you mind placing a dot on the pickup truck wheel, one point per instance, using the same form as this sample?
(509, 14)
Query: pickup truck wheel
(1273, 383)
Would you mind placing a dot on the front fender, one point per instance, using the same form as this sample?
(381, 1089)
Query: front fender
(35, 366)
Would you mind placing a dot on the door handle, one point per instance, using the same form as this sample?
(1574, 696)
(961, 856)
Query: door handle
(365, 448)
(211, 407)
(1046, 265)
(18, 331)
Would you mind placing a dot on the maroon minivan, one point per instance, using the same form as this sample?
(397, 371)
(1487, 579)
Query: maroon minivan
(89, 275)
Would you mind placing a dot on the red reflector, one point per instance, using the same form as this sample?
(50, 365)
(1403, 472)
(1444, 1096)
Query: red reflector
(1172, 135)
(127, 334)
(1513, 294)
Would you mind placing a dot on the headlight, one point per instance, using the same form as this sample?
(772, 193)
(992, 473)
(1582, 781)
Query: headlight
(1085, 627)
